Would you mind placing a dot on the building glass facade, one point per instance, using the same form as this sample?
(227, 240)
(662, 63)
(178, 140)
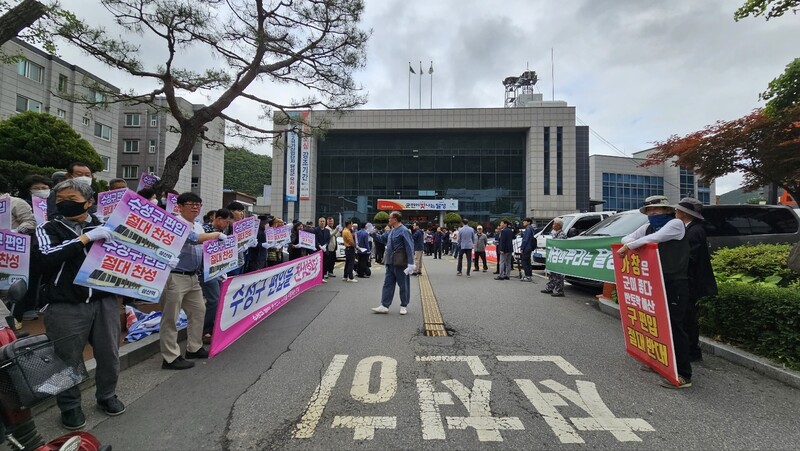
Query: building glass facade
(703, 192)
(484, 170)
(546, 154)
(559, 161)
(687, 183)
(628, 191)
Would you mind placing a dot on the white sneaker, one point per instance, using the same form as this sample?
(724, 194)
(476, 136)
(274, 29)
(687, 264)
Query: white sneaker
(324, 280)
(353, 280)
(403, 310)
(380, 309)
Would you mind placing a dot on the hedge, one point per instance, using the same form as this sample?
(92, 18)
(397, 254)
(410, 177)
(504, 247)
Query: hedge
(756, 317)
(759, 262)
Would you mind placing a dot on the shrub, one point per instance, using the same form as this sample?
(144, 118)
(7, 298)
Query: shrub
(757, 263)
(758, 318)
(452, 219)
(381, 218)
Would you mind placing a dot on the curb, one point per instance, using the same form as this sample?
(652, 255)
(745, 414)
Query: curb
(130, 354)
(732, 354)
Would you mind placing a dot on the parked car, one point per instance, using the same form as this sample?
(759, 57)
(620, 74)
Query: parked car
(574, 225)
(725, 225)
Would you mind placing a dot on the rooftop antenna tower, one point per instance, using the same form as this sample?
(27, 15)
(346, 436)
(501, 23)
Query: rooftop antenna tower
(516, 86)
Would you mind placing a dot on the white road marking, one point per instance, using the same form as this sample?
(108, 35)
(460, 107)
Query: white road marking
(545, 403)
(600, 416)
(473, 361)
(480, 416)
(429, 414)
(557, 359)
(308, 423)
(388, 380)
(364, 427)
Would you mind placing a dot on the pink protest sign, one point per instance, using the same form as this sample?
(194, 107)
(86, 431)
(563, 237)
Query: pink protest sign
(248, 299)
(172, 204)
(139, 224)
(39, 209)
(5, 212)
(219, 257)
(147, 180)
(307, 240)
(107, 201)
(116, 268)
(278, 236)
(245, 230)
(15, 254)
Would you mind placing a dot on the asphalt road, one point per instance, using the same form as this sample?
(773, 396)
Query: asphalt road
(522, 370)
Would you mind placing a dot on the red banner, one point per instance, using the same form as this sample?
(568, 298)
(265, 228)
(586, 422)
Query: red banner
(491, 253)
(643, 309)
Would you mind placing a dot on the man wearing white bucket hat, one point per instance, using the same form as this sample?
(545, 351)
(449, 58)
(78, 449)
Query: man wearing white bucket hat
(668, 232)
(701, 275)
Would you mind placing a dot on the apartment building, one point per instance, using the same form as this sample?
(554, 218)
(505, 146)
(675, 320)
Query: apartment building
(46, 83)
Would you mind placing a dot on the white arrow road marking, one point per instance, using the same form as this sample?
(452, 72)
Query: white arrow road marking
(557, 359)
(308, 423)
(473, 361)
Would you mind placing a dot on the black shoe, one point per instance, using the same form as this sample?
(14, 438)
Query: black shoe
(199, 354)
(178, 364)
(73, 419)
(546, 291)
(112, 406)
(499, 278)
(330, 274)
(498, 272)
(557, 295)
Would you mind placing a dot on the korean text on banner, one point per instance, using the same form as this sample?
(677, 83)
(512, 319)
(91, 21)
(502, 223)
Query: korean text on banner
(491, 253)
(307, 240)
(5, 212)
(248, 299)
(305, 159)
(291, 167)
(172, 204)
(15, 254)
(644, 311)
(139, 224)
(278, 236)
(147, 180)
(588, 258)
(39, 209)
(107, 201)
(219, 257)
(113, 267)
(246, 231)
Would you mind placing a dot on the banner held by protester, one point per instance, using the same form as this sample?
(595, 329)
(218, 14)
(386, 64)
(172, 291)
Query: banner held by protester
(587, 258)
(307, 240)
(644, 311)
(278, 236)
(246, 231)
(248, 299)
(5, 212)
(107, 201)
(172, 204)
(147, 180)
(219, 257)
(15, 254)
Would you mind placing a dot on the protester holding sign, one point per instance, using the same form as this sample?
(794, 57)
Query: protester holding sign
(555, 281)
(211, 287)
(668, 232)
(183, 291)
(59, 249)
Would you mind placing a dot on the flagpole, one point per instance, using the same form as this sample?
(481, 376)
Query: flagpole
(409, 85)
(430, 71)
(420, 85)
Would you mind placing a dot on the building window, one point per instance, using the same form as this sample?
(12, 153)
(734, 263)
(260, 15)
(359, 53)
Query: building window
(151, 169)
(85, 121)
(102, 131)
(546, 175)
(628, 191)
(61, 113)
(559, 160)
(29, 69)
(63, 83)
(131, 146)
(687, 183)
(133, 119)
(130, 172)
(703, 192)
(106, 163)
(195, 160)
(195, 182)
(151, 147)
(153, 119)
(26, 104)
(96, 96)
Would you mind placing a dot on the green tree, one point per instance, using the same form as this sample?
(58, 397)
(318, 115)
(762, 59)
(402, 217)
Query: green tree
(784, 91)
(381, 219)
(247, 172)
(36, 143)
(766, 8)
(452, 219)
(314, 44)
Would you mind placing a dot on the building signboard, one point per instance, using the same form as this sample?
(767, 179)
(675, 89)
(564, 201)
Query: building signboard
(418, 204)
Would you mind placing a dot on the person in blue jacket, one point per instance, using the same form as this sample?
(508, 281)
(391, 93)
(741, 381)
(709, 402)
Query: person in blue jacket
(527, 248)
(505, 249)
(398, 266)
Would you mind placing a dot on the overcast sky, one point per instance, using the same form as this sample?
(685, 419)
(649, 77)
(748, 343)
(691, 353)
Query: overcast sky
(637, 71)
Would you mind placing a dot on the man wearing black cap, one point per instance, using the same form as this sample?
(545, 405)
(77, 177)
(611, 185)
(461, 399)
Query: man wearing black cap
(701, 275)
(663, 228)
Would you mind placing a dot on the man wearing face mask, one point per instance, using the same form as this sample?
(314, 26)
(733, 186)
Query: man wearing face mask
(117, 184)
(663, 228)
(79, 172)
(59, 248)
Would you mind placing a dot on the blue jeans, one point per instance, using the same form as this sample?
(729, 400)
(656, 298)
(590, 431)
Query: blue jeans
(211, 291)
(395, 275)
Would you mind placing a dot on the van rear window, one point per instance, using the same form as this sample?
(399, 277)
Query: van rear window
(749, 221)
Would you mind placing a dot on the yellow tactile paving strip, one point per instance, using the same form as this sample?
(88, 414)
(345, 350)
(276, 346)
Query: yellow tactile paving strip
(431, 316)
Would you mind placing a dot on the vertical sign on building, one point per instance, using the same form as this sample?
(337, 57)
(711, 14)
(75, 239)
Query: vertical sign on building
(291, 166)
(305, 159)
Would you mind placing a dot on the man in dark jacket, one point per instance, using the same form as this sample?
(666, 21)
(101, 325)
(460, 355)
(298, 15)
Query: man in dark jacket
(526, 249)
(505, 250)
(59, 248)
(701, 275)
